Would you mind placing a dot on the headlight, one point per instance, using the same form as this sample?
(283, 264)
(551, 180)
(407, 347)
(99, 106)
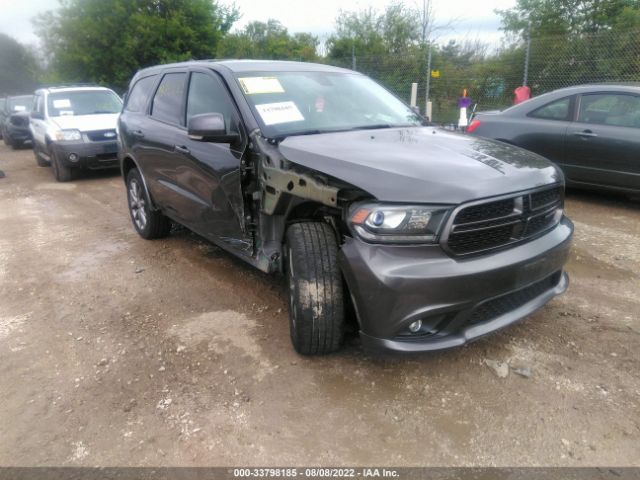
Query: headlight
(68, 135)
(398, 223)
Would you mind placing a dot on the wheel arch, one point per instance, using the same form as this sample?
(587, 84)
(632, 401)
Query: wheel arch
(127, 164)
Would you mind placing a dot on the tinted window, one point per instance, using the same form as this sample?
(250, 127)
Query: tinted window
(140, 93)
(167, 103)
(208, 95)
(610, 109)
(558, 110)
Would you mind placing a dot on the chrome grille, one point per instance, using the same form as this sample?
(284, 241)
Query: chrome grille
(495, 224)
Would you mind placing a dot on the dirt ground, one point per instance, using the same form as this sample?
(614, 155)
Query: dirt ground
(119, 351)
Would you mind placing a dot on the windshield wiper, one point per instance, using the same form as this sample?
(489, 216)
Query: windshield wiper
(373, 127)
(99, 112)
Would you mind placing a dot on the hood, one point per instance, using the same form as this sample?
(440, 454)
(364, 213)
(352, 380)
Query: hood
(422, 164)
(87, 123)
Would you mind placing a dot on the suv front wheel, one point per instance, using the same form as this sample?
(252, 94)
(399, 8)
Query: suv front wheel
(316, 305)
(148, 223)
(60, 171)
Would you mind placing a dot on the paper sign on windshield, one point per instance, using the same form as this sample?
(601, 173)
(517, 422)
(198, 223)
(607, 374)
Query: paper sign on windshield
(255, 85)
(281, 112)
(19, 108)
(64, 103)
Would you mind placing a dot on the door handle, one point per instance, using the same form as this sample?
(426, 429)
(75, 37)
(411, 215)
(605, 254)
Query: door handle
(585, 134)
(181, 149)
(137, 133)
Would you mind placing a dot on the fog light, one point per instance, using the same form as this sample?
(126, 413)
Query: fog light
(73, 157)
(415, 326)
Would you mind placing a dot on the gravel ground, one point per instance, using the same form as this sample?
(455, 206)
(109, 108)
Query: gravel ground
(119, 351)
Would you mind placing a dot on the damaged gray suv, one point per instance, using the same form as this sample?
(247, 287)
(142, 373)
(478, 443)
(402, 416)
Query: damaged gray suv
(427, 239)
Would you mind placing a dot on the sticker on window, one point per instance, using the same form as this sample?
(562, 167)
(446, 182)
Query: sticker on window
(19, 108)
(281, 112)
(255, 85)
(63, 103)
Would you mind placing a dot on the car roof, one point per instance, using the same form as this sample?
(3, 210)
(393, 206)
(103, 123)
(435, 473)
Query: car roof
(239, 66)
(71, 88)
(26, 95)
(633, 86)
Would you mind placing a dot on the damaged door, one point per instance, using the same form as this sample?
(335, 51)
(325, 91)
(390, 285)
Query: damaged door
(208, 174)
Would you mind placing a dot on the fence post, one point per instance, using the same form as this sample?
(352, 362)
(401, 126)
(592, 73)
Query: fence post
(427, 103)
(353, 56)
(526, 56)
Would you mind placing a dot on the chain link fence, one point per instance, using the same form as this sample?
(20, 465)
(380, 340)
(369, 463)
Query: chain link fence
(491, 78)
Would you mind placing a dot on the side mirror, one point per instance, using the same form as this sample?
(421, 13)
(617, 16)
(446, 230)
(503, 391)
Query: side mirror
(37, 115)
(210, 127)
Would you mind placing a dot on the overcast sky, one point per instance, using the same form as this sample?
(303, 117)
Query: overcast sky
(474, 18)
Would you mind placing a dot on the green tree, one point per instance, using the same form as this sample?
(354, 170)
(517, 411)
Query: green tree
(269, 40)
(107, 41)
(577, 41)
(395, 31)
(19, 68)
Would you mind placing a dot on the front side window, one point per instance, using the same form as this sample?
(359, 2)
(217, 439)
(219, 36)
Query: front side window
(618, 110)
(290, 103)
(208, 95)
(140, 93)
(557, 110)
(167, 102)
(20, 104)
(83, 102)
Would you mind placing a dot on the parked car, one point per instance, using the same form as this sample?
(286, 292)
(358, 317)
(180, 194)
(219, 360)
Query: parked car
(434, 238)
(74, 128)
(15, 123)
(592, 132)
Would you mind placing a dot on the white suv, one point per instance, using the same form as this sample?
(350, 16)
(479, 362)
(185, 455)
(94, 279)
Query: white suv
(74, 127)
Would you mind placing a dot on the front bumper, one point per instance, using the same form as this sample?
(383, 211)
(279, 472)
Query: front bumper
(457, 300)
(89, 155)
(18, 134)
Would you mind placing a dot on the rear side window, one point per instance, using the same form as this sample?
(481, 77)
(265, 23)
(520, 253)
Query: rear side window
(167, 102)
(557, 110)
(140, 93)
(617, 110)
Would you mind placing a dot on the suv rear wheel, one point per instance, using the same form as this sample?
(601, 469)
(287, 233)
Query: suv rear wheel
(316, 305)
(148, 223)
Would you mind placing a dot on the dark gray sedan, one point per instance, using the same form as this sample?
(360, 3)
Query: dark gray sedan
(592, 132)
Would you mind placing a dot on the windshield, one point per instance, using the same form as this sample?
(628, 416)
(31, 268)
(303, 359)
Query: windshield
(293, 103)
(20, 104)
(87, 102)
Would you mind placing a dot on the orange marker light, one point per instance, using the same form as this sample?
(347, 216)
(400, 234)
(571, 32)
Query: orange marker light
(360, 216)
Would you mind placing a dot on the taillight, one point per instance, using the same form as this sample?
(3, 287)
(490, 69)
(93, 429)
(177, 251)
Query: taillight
(473, 125)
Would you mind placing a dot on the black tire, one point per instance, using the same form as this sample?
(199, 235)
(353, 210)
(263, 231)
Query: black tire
(7, 140)
(316, 298)
(155, 224)
(39, 160)
(16, 144)
(61, 172)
